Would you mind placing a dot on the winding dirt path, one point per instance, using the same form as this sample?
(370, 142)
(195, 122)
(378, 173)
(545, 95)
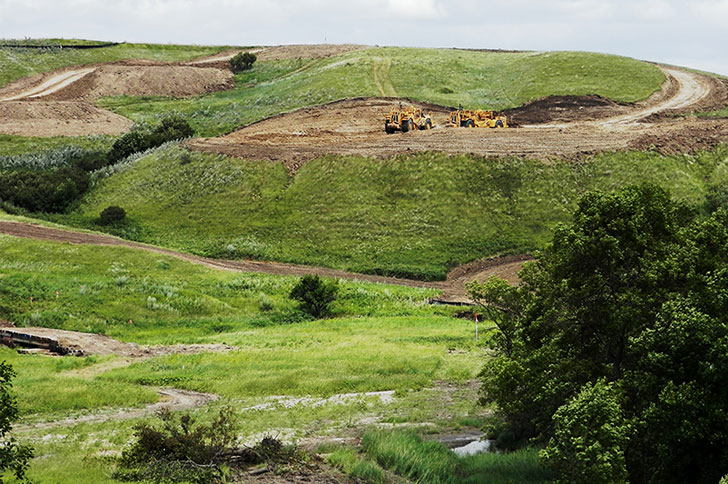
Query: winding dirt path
(692, 88)
(53, 84)
(171, 398)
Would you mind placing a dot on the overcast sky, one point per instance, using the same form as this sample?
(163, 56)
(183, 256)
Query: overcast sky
(691, 33)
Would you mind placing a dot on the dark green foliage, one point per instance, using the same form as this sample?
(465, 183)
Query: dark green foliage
(143, 138)
(242, 61)
(14, 457)
(634, 291)
(717, 197)
(43, 191)
(181, 450)
(112, 214)
(314, 295)
(589, 438)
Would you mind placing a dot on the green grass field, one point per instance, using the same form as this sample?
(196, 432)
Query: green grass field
(380, 338)
(21, 145)
(448, 77)
(412, 216)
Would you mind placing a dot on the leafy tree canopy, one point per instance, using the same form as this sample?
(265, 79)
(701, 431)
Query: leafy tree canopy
(633, 293)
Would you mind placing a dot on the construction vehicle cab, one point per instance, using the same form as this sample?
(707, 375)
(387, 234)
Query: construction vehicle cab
(477, 118)
(406, 119)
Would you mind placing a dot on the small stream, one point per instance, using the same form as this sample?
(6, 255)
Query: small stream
(473, 448)
(466, 443)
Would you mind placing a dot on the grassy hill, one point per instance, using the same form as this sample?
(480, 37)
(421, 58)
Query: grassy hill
(412, 216)
(493, 80)
(18, 63)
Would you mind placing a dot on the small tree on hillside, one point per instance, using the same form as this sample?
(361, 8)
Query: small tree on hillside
(242, 62)
(314, 295)
(14, 457)
(112, 214)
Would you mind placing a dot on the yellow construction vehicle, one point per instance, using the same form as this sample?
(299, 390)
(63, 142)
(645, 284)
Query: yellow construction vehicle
(476, 118)
(406, 119)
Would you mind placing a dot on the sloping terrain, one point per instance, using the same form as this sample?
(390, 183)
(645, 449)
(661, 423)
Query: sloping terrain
(354, 127)
(61, 103)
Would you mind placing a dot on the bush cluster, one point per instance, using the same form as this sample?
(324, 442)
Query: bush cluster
(143, 138)
(112, 214)
(52, 181)
(181, 449)
(242, 62)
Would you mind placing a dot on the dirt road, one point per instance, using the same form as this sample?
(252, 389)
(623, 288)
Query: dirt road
(453, 288)
(53, 84)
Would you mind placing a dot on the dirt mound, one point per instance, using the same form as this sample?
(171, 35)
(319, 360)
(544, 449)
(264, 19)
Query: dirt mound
(96, 344)
(564, 108)
(44, 118)
(686, 139)
(60, 103)
(506, 267)
(303, 51)
(146, 80)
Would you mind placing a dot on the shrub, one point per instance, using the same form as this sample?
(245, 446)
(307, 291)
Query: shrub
(314, 295)
(141, 139)
(112, 214)
(242, 62)
(43, 191)
(182, 450)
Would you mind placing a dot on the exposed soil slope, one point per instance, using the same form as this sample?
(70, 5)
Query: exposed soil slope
(453, 288)
(61, 103)
(355, 127)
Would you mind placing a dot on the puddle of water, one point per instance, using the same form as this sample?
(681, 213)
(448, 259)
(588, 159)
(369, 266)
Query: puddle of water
(473, 448)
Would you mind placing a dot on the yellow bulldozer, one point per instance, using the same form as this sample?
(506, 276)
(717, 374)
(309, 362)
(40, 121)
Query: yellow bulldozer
(476, 118)
(406, 119)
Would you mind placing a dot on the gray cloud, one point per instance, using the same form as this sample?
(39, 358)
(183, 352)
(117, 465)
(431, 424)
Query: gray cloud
(671, 31)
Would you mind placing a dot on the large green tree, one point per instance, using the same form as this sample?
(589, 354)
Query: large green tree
(14, 457)
(634, 292)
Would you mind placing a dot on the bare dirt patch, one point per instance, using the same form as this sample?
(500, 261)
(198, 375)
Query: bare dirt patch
(312, 132)
(306, 51)
(44, 118)
(585, 125)
(146, 80)
(689, 138)
(564, 109)
(97, 344)
(60, 103)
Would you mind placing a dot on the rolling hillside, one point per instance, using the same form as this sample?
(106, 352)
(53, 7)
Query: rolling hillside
(489, 80)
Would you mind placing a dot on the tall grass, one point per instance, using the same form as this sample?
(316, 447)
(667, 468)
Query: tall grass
(169, 301)
(409, 456)
(14, 146)
(430, 462)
